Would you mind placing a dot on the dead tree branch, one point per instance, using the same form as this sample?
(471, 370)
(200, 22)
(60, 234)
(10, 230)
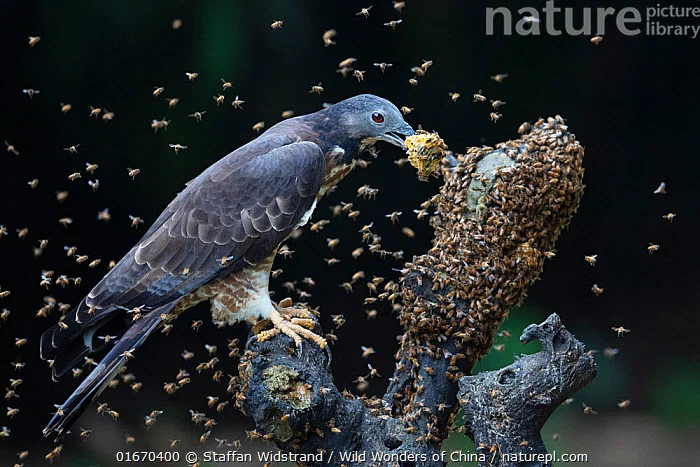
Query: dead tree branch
(496, 219)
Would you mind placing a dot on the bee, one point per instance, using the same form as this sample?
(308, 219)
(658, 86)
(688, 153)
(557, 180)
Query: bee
(597, 290)
(5, 432)
(176, 24)
(454, 96)
(133, 172)
(652, 248)
(624, 404)
(258, 127)
(366, 351)
(556, 436)
(495, 116)
(357, 276)
(328, 37)
(357, 252)
(287, 114)
(114, 414)
(418, 71)
(219, 99)
(394, 216)
(5, 314)
(237, 103)
(33, 183)
(107, 338)
(198, 115)
(104, 215)
(408, 232)
(74, 176)
(177, 147)
(331, 261)
(174, 443)
(364, 12)
(596, 40)
(661, 190)
(18, 366)
(285, 251)
(550, 254)
(669, 217)
(413, 81)
(318, 89)
(129, 439)
(406, 110)
(393, 24)
(77, 372)
(360, 75)
(621, 331)
(34, 40)
(588, 410)
(11, 148)
(90, 168)
(70, 251)
(172, 102)
(108, 116)
(347, 286)
(19, 342)
(344, 71)
(65, 222)
(524, 128)
(30, 92)
(191, 76)
(499, 78)
(591, 259)
(23, 455)
(158, 124)
(197, 324)
(11, 412)
(499, 347)
(371, 314)
(65, 108)
(333, 242)
(496, 104)
(610, 353)
(158, 90)
(277, 24)
(426, 64)
(353, 215)
(22, 233)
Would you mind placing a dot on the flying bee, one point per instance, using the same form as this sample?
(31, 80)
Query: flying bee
(661, 190)
(196, 324)
(95, 111)
(22, 233)
(133, 172)
(74, 176)
(357, 252)
(479, 98)
(371, 314)
(237, 103)
(277, 24)
(33, 183)
(219, 99)
(65, 108)
(65, 222)
(394, 23)
(328, 37)
(426, 64)
(318, 89)
(360, 75)
(454, 96)
(30, 92)
(420, 214)
(191, 76)
(333, 242)
(331, 261)
(499, 78)
(108, 116)
(357, 276)
(596, 40)
(597, 290)
(364, 12)
(19, 342)
(90, 168)
(399, 6)
(11, 412)
(591, 259)
(669, 217)
(258, 127)
(353, 215)
(287, 114)
(624, 404)
(406, 110)
(652, 248)
(107, 338)
(34, 40)
(70, 251)
(495, 116)
(104, 215)
(408, 232)
(497, 103)
(413, 81)
(177, 147)
(610, 352)
(158, 90)
(366, 351)
(394, 216)
(588, 410)
(158, 124)
(172, 102)
(621, 331)
(347, 286)
(418, 71)
(135, 221)
(198, 115)
(11, 148)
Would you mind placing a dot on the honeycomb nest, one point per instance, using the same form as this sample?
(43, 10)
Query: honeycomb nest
(425, 151)
(497, 214)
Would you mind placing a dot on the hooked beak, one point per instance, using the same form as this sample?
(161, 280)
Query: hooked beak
(398, 137)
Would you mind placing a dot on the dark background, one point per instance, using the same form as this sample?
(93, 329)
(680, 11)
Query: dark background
(631, 101)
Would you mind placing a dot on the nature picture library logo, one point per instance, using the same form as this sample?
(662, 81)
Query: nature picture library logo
(658, 20)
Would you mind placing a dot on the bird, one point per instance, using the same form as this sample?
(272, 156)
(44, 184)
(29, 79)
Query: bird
(217, 240)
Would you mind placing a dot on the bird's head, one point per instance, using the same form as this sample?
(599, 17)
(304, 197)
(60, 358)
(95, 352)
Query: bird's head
(368, 119)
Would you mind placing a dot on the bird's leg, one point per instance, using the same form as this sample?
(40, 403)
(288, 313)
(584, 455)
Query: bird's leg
(294, 322)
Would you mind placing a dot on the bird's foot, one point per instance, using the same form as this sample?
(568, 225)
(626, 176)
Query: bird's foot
(294, 322)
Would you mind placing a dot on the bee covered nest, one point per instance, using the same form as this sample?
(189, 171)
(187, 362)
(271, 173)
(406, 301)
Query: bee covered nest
(425, 151)
(499, 211)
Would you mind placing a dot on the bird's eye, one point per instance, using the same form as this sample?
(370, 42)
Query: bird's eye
(377, 117)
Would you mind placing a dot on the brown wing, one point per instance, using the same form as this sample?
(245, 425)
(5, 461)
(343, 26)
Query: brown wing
(240, 208)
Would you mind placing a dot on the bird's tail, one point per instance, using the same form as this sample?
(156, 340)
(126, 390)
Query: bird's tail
(105, 371)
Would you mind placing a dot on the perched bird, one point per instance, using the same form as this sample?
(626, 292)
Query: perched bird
(216, 241)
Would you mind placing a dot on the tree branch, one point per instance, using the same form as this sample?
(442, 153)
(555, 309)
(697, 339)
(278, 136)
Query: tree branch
(496, 219)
